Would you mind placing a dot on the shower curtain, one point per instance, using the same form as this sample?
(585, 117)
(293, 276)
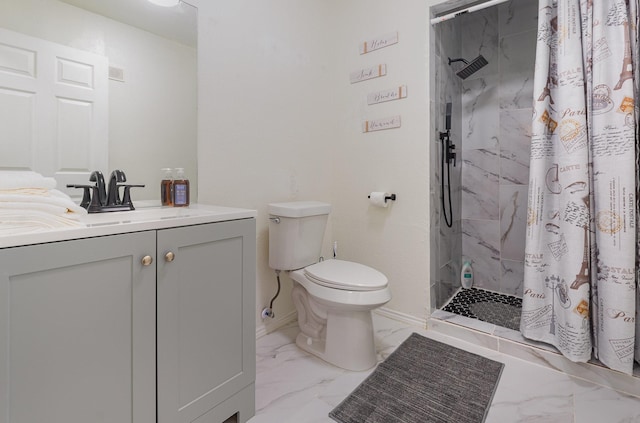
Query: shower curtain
(580, 283)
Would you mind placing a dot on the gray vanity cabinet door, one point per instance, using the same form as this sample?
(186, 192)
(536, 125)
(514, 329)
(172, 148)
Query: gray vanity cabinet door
(77, 331)
(206, 322)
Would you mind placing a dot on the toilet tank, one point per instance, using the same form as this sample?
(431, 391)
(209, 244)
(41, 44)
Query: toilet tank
(296, 230)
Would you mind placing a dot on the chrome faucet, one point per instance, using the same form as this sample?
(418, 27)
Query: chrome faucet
(113, 197)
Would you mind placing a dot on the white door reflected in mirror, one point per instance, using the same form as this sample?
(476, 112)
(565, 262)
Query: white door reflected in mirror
(151, 105)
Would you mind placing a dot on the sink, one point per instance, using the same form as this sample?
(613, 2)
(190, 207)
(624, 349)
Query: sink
(150, 214)
(144, 218)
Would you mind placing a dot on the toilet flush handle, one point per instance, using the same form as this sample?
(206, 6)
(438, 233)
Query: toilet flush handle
(275, 219)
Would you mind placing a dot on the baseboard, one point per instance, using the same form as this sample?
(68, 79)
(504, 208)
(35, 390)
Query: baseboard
(271, 325)
(401, 317)
(275, 324)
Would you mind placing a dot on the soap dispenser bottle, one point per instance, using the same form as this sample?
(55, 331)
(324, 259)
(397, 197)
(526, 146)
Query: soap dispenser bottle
(166, 187)
(466, 275)
(180, 189)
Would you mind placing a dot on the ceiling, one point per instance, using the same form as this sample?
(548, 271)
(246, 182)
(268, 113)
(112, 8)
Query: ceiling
(177, 23)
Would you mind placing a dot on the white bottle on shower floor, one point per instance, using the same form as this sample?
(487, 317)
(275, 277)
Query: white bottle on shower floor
(466, 275)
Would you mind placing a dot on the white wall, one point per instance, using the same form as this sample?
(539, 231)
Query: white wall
(266, 130)
(279, 121)
(152, 122)
(394, 240)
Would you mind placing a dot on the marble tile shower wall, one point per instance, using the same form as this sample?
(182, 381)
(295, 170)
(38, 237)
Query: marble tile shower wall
(496, 114)
(446, 243)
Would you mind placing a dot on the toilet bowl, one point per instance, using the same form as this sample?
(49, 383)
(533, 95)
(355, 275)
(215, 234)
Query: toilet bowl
(334, 300)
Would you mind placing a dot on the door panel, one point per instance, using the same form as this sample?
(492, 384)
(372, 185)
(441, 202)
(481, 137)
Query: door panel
(206, 326)
(77, 332)
(54, 108)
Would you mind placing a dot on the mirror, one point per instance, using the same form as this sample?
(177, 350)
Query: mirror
(152, 83)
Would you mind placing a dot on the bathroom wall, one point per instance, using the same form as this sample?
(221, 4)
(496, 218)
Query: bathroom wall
(496, 104)
(266, 127)
(394, 240)
(152, 123)
(279, 121)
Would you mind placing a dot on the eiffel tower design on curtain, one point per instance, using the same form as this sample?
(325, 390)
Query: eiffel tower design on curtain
(583, 274)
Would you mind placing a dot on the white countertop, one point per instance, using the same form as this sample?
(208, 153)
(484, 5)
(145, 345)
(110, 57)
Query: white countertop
(142, 219)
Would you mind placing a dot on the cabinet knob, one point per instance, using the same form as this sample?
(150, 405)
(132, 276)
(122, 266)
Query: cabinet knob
(147, 260)
(169, 256)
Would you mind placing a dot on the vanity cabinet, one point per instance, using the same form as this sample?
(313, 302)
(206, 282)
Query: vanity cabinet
(80, 329)
(206, 322)
(77, 331)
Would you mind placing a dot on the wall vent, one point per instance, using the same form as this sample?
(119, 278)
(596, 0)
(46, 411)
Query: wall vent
(117, 74)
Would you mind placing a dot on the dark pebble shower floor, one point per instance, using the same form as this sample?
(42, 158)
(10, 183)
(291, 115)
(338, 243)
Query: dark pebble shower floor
(491, 307)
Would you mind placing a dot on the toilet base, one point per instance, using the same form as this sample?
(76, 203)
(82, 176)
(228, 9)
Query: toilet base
(349, 342)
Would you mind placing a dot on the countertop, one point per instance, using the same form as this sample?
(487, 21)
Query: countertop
(142, 219)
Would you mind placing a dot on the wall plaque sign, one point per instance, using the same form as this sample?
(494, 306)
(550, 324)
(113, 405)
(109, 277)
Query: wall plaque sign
(378, 42)
(381, 124)
(387, 95)
(368, 73)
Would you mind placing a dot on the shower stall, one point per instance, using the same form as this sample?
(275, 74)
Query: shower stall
(489, 100)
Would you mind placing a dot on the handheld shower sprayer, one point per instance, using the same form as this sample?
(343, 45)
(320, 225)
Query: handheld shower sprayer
(445, 137)
(448, 155)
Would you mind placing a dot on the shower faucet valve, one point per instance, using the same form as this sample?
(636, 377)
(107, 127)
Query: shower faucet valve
(451, 155)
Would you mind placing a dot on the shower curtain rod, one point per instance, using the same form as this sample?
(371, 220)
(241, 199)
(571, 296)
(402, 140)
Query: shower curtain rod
(467, 10)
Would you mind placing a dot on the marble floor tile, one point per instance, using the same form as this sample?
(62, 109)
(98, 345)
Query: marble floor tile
(293, 386)
(597, 404)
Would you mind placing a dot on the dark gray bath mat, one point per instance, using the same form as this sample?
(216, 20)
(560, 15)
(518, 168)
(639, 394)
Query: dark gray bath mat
(424, 381)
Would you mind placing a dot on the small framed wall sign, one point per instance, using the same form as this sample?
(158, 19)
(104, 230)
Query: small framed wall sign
(387, 95)
(378, 42)
(381, 124)
(368, 73)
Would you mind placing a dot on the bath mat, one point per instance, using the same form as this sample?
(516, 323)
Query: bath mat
(423, 381)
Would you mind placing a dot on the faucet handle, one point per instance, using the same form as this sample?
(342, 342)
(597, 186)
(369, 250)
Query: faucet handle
(86, 195)
(97, 177)
(95, 206)
(113, 197)
(126, 197)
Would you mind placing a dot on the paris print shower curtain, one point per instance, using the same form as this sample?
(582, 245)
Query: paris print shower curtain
(580, 288)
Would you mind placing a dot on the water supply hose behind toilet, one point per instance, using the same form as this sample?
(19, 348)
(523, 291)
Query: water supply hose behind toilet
(268, 311)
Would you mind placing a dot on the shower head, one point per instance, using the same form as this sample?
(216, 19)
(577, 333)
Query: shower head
(470, 68)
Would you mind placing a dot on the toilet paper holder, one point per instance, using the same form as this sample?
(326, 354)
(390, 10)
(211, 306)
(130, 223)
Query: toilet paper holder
(391, 197)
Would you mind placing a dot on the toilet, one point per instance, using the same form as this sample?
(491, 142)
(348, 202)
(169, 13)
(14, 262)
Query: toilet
(333, 298)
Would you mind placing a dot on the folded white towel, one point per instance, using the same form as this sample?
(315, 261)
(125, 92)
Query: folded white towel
(29, 203)
(16, 222)
(52, 197)
(25, 191)
(11, 208)
(14, 179)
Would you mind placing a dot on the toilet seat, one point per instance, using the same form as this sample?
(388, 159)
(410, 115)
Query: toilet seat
(345, 275)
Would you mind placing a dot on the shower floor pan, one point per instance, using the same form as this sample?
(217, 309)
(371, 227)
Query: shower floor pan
(491, 307)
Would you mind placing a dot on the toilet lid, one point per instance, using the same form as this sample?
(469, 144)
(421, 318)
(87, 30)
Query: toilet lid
(347, 275)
